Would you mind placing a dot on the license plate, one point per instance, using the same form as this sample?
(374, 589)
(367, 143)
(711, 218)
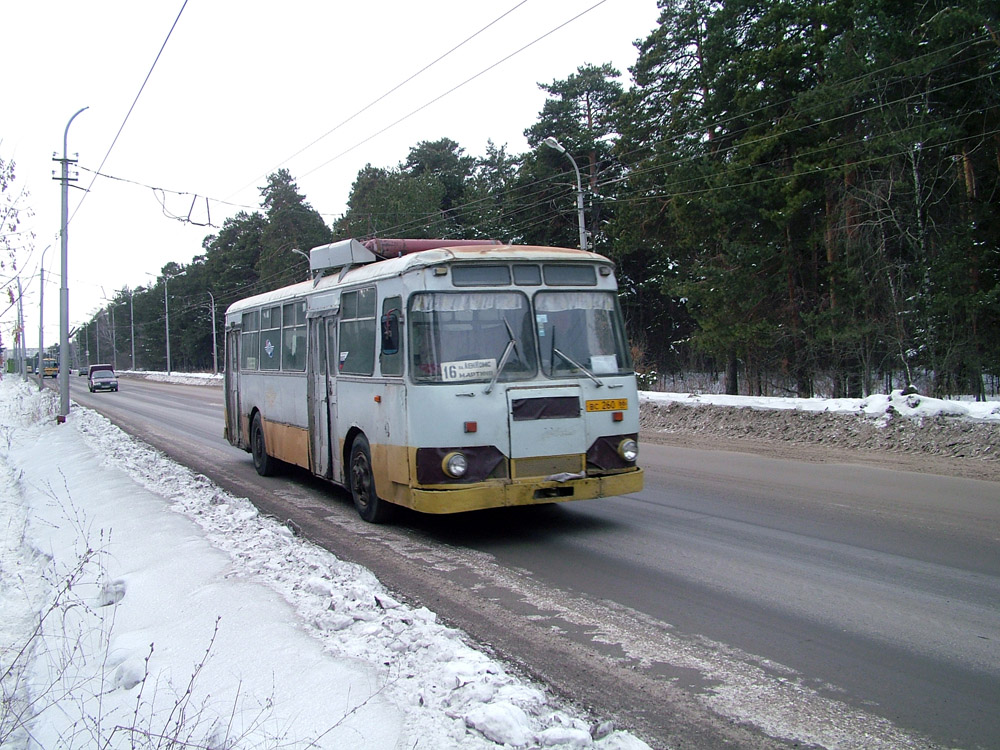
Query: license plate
(608, 404)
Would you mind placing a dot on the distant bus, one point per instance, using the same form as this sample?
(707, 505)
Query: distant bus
(50, 367)
(452, 377)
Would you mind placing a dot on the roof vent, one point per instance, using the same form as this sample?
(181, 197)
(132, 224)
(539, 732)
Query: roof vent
(339, 255)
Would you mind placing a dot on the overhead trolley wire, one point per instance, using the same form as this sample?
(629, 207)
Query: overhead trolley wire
(455, 88)
(129, 113)
(383, 96)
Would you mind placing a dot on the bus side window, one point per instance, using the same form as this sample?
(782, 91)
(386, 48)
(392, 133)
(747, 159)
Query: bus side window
(358, 329)
(391, 358)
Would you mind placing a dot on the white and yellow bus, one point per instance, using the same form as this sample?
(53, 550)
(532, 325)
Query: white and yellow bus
(452, 377)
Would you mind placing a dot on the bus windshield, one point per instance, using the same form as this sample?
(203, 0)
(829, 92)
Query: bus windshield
(580, 333)
(464, 337)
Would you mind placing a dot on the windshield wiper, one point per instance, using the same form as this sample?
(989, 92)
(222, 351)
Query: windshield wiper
(508, 350)
(578, 366)
(573, 362)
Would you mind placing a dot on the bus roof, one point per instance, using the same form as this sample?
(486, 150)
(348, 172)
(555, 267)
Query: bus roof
(382, 269)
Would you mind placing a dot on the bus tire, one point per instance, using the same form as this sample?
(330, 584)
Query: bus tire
(265, 465)
(370, 507)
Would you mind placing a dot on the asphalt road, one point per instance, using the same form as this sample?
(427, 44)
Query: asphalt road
(737, 601)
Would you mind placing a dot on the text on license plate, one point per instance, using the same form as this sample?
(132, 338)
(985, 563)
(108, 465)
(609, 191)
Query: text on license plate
(608, 404)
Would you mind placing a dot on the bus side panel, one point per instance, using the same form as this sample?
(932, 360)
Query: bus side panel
(287, 443)
(281, 401)
(377, 409)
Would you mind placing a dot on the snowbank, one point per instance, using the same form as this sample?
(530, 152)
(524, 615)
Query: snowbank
(139, 600)
(908, 405)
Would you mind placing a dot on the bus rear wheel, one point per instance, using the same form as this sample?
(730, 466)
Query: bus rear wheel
(370, 507)
(263, 463)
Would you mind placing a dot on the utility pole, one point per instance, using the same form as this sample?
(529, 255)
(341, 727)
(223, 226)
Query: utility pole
(131, 317)
(215, 348)
(64, 284)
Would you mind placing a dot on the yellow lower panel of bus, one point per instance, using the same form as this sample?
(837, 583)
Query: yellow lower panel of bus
(289, 443)
(502, 494)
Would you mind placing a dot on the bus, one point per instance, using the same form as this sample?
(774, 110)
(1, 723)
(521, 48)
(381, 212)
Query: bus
(439, 375)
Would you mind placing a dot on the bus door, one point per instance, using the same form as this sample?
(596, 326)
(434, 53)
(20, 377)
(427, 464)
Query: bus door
(322, 397)
(233, 387)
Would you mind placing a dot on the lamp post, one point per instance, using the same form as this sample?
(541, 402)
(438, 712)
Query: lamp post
(166, 312)
(308, 261)
(215, 348)
(63, 284)
(86, 348)
(553, 143)
(131, 317)
(114, 341)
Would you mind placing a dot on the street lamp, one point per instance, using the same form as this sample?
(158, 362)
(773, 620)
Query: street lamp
(64, 284)
(553, 143)
(308, 261)
(131, 318)
(114, 342)
(166, 310)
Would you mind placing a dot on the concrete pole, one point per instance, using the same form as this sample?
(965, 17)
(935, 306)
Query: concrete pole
(551, 142)
(215, 348)
(166, 316)
(63, 283)
(131, 315)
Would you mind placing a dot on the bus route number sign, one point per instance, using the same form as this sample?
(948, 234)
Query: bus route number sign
(468, 369)
(608, 404)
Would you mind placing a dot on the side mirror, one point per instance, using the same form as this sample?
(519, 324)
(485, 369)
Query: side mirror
(390, 332)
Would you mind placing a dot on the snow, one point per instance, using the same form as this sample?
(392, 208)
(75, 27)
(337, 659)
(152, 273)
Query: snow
(907, 405)
(139, 602)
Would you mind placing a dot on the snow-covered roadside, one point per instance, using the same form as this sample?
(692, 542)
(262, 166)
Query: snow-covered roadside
(911, 405)
(911, 432)
(190, 616)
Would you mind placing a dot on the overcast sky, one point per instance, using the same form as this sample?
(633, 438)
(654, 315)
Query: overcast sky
(242, 88)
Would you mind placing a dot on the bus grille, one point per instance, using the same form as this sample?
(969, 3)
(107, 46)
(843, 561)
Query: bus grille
(546, 466)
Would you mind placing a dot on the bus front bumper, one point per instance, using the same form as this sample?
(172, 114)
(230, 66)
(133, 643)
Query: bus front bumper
(500, 495)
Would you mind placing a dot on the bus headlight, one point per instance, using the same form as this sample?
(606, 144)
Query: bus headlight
(455, 464)
(628, 449)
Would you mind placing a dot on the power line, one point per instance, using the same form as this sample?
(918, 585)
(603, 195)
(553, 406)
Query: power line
(129, 113)
(383, 96)
(456, 87)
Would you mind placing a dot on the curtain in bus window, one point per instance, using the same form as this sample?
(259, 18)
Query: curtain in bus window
(583, 328)
(467, 301)
(458, 337)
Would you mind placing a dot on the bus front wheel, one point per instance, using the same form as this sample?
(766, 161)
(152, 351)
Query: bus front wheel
(263, 463)
(366, 500)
